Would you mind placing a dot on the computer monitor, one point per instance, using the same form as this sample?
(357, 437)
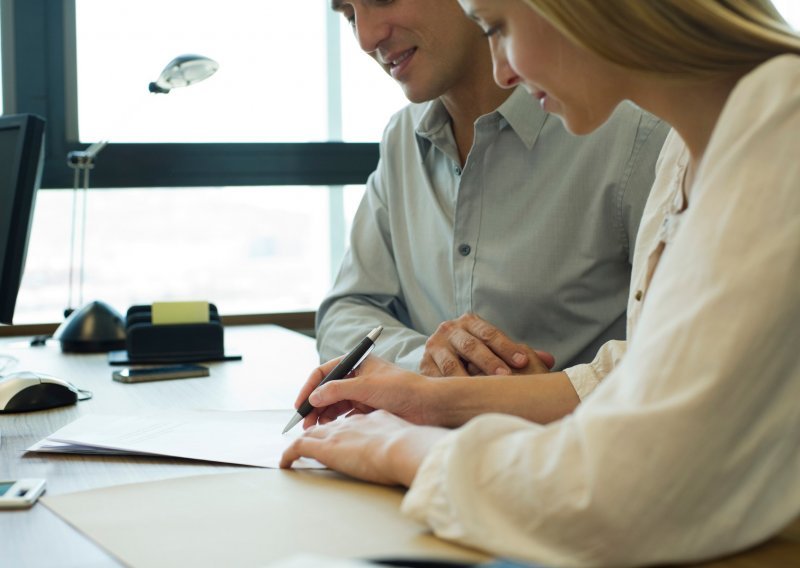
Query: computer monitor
(21, 159)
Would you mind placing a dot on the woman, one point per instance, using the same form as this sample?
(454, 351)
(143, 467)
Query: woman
(689, 448)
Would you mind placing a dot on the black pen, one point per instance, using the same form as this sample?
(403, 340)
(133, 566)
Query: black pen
(346, 366)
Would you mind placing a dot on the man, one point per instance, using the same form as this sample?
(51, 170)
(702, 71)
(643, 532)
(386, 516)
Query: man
(482, 206)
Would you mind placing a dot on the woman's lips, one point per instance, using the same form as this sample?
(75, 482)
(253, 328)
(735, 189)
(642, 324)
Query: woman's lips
(541, 96)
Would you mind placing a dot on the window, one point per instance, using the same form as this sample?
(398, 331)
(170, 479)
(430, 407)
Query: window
(364, 108)
(270, 148)
(248, 249)
(273, 85)
(790, 10)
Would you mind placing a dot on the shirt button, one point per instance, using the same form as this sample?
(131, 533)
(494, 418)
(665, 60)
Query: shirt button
(464, 250)
(638, 295)
(457, 170)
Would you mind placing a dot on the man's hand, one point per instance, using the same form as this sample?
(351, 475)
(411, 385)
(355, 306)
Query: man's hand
(470, 345)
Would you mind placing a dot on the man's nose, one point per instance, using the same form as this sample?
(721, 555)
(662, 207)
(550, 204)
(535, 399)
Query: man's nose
(370, 29)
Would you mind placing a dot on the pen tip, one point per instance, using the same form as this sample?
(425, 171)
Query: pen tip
(295, 419)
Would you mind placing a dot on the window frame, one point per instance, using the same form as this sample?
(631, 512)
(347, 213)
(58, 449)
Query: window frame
(39, 37)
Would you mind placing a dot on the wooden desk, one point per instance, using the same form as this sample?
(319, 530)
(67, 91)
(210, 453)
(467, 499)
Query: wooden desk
(275, 364)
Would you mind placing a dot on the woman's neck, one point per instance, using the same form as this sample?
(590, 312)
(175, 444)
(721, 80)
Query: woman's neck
(691, 106)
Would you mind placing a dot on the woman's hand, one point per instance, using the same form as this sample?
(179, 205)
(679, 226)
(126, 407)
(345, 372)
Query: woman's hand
(375, 384)
(378, 447)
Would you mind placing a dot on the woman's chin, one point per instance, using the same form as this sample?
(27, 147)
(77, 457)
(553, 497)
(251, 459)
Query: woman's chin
(580, 125)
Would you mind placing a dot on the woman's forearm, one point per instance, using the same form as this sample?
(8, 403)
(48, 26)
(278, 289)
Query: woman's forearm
(539, 398)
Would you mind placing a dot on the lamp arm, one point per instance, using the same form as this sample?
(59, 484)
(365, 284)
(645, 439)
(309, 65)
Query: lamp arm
(95, 149)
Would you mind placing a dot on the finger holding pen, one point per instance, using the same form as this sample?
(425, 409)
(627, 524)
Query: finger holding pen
(340, 369)
(329, 413)
(313, 381)
(376, 384)
(325, 413)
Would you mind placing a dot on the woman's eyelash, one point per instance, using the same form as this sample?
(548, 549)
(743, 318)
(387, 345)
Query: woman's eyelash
(491, 30)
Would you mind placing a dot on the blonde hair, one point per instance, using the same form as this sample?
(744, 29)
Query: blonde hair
(696, 37)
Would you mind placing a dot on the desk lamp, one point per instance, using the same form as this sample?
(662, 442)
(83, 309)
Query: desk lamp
(97, 327)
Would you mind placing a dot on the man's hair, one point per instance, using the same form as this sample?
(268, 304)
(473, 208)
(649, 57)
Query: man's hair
(690, 37)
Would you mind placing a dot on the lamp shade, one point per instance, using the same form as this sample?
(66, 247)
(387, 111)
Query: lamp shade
(183, 71)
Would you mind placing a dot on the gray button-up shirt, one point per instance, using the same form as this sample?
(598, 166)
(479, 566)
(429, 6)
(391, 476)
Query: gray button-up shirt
(535, 234)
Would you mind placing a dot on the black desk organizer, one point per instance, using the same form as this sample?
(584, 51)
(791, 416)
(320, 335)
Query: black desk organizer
(170, 343)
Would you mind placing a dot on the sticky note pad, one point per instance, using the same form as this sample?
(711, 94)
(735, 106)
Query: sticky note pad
(179, 312)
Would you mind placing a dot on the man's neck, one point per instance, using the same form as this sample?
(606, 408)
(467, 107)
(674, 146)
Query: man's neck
(466, 105)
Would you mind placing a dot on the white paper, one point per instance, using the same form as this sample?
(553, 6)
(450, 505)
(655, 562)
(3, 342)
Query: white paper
(243, 438)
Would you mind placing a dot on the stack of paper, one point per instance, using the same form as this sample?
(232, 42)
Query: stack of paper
(243, 438)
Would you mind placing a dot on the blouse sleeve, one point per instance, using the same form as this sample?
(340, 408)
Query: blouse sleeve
(586, 377)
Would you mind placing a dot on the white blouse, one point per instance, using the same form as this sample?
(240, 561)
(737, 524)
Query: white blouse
(690, 448)
(659, 220)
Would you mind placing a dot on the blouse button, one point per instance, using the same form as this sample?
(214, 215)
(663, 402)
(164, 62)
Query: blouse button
(464, 250)
(638, 295)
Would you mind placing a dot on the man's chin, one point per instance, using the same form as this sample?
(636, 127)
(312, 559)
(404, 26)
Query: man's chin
(417, 95)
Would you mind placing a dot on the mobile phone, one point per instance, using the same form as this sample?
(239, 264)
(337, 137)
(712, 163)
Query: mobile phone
(20, 493)
(144, 374)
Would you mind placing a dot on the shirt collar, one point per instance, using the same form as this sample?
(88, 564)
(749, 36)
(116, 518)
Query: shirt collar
(431, 125)
(524, 114)
(517, 111)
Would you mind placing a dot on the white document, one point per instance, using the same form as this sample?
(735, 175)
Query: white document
(243, 438)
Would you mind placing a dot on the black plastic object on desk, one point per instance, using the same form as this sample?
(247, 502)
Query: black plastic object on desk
(147, 343)
(94, 328)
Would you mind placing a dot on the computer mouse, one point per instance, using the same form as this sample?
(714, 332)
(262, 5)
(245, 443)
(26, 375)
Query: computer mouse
(25, 391)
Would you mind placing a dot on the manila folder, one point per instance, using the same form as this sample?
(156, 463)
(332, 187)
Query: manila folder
(250, 519)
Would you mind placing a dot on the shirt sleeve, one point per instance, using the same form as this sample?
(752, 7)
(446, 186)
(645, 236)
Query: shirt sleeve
(367, 291)
(691, 447)
(586, 377)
